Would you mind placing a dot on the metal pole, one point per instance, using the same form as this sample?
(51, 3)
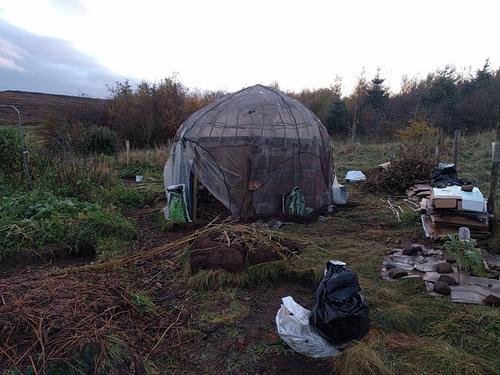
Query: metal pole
(23, 144)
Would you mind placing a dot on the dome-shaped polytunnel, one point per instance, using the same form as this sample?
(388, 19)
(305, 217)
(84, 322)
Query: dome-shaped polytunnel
(250, 147)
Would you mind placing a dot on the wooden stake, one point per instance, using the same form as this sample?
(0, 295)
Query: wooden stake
(456, 148)
(438, 143)
(495, 163)
(127, 150)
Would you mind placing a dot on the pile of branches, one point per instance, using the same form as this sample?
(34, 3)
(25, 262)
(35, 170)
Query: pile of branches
(78, 324)
(256, 236)
(284, 244)
(411, 166)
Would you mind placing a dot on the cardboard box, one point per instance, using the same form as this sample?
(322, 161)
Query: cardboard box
(464, 200)
(445, 202)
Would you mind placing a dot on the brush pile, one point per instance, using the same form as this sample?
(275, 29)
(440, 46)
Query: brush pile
(411, 166)
(85, 323)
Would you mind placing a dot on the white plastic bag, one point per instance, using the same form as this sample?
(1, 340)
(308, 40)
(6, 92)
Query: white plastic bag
(293, 325)
(355, 176)
(339, 192)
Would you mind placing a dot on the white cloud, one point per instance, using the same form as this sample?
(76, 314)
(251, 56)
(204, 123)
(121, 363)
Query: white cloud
(9, 54)
(6, 63)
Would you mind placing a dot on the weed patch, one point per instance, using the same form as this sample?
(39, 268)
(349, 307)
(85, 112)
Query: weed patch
(143, 304)
(37, 219)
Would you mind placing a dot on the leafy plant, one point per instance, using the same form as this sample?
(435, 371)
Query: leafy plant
(466, 254)
(122, 196)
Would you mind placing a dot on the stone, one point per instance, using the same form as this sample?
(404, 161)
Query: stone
(396, 273)
(492, 300)
(412, 249)
(444, 267)
(441, 288)
(449, 280)
(450, 259)
(493, 275)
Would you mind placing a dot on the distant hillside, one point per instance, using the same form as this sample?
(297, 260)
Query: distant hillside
(35, 106)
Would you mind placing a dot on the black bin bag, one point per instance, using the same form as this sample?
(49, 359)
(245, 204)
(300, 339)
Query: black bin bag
(340, 314)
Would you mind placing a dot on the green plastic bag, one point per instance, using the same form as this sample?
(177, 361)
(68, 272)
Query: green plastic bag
(177, 208)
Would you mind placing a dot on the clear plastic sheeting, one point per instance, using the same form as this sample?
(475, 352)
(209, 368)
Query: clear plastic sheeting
(292, 321)
(250, 147)
(355, 176)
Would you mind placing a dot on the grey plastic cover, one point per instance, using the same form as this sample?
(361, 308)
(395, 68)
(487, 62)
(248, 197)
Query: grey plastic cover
(250, 147)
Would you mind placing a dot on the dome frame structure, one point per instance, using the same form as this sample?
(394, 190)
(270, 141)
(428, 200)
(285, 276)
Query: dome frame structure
(249, 148)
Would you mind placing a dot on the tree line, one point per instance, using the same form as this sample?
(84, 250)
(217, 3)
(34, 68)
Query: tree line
(151, 113)
(444, 98)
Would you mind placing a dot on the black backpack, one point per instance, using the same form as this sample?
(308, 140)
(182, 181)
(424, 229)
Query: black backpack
(340, 314)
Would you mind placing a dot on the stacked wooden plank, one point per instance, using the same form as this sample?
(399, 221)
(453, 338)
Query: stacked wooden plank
(420, 194)
(450, 208)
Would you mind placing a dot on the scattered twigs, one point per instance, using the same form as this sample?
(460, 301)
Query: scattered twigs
(415, 206)
(48, 320)
(394, 209)
(164, 333)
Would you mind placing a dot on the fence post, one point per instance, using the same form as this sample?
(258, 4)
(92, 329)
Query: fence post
(456, 148)
(127, 150)
(495, 163)
(438, 142)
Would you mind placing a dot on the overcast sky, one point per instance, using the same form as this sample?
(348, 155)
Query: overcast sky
(79, 46)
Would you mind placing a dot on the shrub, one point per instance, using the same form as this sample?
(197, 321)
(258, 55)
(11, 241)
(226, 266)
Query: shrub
(37, 219)
(10, 151)
(77, 175)
(99, 140)
(418, 134)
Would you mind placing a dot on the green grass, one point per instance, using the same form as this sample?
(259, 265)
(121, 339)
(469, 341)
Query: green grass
(449, 338)
(439, 337)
